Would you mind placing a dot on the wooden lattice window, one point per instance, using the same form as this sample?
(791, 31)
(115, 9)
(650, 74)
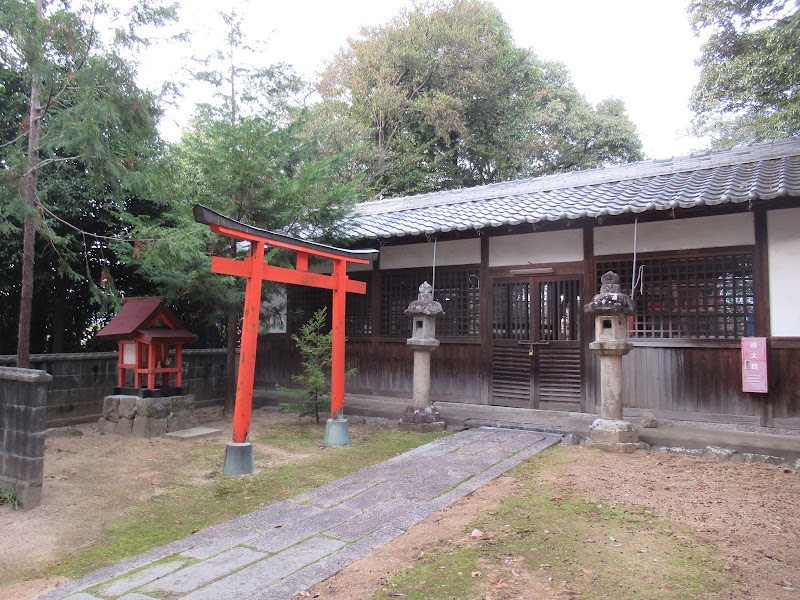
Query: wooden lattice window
(512, 311)
(458, 291)
(304, 301)
(690, 297)
(559, 311)
(358, 312)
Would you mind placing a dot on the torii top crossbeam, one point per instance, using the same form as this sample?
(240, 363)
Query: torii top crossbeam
(256, 270)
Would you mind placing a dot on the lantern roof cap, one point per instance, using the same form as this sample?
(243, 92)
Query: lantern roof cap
(424, 305)
(610, 300)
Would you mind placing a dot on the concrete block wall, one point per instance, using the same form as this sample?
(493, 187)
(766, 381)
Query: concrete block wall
(23, 419)
(81, 381)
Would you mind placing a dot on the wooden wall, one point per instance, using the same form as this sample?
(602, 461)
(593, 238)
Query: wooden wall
(382, 368)
(688, 382)
(703, 383)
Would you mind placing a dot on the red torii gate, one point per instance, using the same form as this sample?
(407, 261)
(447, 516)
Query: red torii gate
(239, 452)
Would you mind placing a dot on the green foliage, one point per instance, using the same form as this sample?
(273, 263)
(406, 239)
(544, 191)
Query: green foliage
(250, 156)
(10, 495)
(441, 97)
(749, 69)
(315, 348)
(88, 164)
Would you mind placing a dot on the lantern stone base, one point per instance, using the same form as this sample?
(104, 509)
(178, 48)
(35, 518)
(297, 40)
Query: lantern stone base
(146, 417)
(337, 432)
(423, 419)
(614, 435)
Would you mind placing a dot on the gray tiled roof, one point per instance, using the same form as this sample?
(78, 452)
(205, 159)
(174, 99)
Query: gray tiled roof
(744, 174)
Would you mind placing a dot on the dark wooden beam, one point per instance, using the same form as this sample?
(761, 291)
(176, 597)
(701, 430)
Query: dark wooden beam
(589, 288)
(761, 324)
(486, 321)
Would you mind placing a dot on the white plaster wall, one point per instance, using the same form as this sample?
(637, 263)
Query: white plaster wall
(326, 267)
(676, 234)
(455, 252)
(536, 248)
(783, 231)
(353, 267)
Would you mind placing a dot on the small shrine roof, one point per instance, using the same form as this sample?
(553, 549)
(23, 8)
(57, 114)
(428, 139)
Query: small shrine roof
(164, 333)
(138, 315)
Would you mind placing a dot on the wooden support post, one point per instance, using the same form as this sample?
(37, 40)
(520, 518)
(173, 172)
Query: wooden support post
(120, 368)
(588, 361)
(302, 261)
(762, 324)
(485, 294)
(151, 366)
(179, 364)
(247, 349)
(338, 335)
(137, 376)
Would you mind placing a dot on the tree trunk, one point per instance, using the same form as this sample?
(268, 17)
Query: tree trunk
(30, 184)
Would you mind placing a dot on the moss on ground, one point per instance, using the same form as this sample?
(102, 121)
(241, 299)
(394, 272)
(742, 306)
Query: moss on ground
(204, 497)
(544, 538)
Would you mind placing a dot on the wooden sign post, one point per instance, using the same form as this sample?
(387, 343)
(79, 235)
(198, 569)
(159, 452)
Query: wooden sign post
(239, 452)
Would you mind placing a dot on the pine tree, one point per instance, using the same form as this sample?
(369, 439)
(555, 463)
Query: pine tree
(314, 393)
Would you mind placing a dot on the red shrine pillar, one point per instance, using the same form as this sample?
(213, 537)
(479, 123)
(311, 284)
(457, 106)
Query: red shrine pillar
(337, 432)
(238, 453)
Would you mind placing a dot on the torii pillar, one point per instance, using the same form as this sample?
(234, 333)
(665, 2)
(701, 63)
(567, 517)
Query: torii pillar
(239, 451)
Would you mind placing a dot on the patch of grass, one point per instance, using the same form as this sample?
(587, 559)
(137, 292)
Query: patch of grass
(443, 575)
(296, 436)
(10, 495)
(205, 497)
(574, 546)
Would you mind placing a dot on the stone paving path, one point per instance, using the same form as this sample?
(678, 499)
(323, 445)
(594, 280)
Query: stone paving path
(284, 549)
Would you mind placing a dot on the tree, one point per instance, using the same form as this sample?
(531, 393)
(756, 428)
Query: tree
(748, 88)
(82, 107)
(249, 156)
(443, 98)
(314, 393)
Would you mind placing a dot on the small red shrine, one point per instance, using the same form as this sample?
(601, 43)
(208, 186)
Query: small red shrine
(147, 332)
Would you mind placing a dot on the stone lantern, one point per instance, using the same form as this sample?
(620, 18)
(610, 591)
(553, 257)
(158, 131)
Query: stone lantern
(420, 415)
(611, 309)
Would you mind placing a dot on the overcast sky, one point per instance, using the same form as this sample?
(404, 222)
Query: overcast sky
(641, 51)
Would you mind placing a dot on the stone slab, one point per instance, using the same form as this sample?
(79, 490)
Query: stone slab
(255, 578)
(224, 541)
(371, 520)
(145, 576)
(193, 433)
(294, 532)
(199, 574)
(299, 531)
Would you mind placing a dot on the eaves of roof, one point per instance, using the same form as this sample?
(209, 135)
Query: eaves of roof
(743, 174)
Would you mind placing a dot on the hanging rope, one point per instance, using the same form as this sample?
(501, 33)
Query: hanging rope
(433, 284)
(637, 278)
(84, 233)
